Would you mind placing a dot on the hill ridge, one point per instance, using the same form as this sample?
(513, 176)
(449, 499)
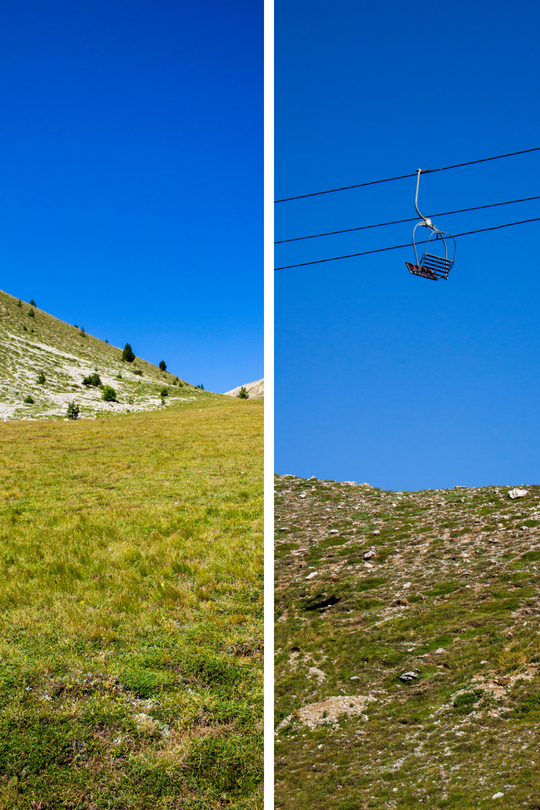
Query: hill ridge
(34, 343)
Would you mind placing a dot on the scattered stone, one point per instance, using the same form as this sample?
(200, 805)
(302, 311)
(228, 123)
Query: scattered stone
(369, 554)
(440, 651)
(351, 483)
(313, 672)
(461, 487)
(329, 710)
(376, 531)
(145, 723)
(283, 529)
(354, 678)
(497, 795)
(408, 676)
(517, 493)
(313, 574)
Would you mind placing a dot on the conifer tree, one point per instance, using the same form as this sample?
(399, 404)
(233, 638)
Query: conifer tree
(127, 354)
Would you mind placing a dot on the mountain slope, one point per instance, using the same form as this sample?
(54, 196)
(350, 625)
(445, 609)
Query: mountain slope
(254, 389)
(38, 343)
(407, 647)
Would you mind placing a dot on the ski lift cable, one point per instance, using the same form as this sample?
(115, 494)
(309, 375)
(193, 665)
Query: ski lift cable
(411, 219)
(408, 245)
(404, 176)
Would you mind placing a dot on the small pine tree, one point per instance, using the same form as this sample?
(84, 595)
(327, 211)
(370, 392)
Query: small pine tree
(19, 303)
(73, 410)
(127, 354)
(164, 392)
(109, 394)
(29, 400)
(31, 313)
(33, 303)
(163, 365)
(83, 333)
(243, 394)
(41, 378)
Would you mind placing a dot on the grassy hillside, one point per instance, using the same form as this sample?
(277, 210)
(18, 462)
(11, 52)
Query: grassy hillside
(131, 610)
(407, 647)
(39, 344)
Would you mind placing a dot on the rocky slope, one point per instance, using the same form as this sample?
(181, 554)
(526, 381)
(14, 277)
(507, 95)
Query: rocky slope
(254, 389)
(407, 647)
(36, 346)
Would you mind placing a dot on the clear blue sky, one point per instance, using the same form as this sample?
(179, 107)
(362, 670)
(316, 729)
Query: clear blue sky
(131, 150)
(381, 376)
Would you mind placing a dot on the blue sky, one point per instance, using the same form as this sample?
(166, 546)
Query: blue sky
(131, 175)
(381, 376)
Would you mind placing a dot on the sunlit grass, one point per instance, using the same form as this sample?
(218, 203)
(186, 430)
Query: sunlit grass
(131, 609)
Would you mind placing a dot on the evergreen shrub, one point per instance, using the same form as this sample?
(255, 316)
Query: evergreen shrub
(109, 394)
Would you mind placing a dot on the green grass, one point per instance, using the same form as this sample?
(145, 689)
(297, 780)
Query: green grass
(131, 609)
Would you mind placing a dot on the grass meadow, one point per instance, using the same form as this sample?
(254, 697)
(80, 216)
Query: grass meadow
(131, 564)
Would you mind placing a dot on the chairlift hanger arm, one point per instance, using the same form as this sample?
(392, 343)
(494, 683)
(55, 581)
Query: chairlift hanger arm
(427, 222)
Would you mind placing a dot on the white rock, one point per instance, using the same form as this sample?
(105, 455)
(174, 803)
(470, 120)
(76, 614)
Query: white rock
(408, 676)
(376, 531)
(354, 678)
(439, 651)
(517, 493)
(313, 574)
(369, 554)
(497, 795)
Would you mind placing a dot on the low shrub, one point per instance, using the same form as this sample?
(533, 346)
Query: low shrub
(31, 313)
(92, 380)
(28, 400)
(19, 303)
(109, 394)
(164, 392)
(137, 371)
(41, 378)
(243, 394)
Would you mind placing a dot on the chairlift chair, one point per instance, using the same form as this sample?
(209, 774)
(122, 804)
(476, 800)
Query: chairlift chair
(436, 264)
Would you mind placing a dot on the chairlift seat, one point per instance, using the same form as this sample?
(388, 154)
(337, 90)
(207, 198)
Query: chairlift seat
(432, 267)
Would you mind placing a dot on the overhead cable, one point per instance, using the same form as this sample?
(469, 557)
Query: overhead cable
(397, 247)
(411, 219)
(403, 176)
